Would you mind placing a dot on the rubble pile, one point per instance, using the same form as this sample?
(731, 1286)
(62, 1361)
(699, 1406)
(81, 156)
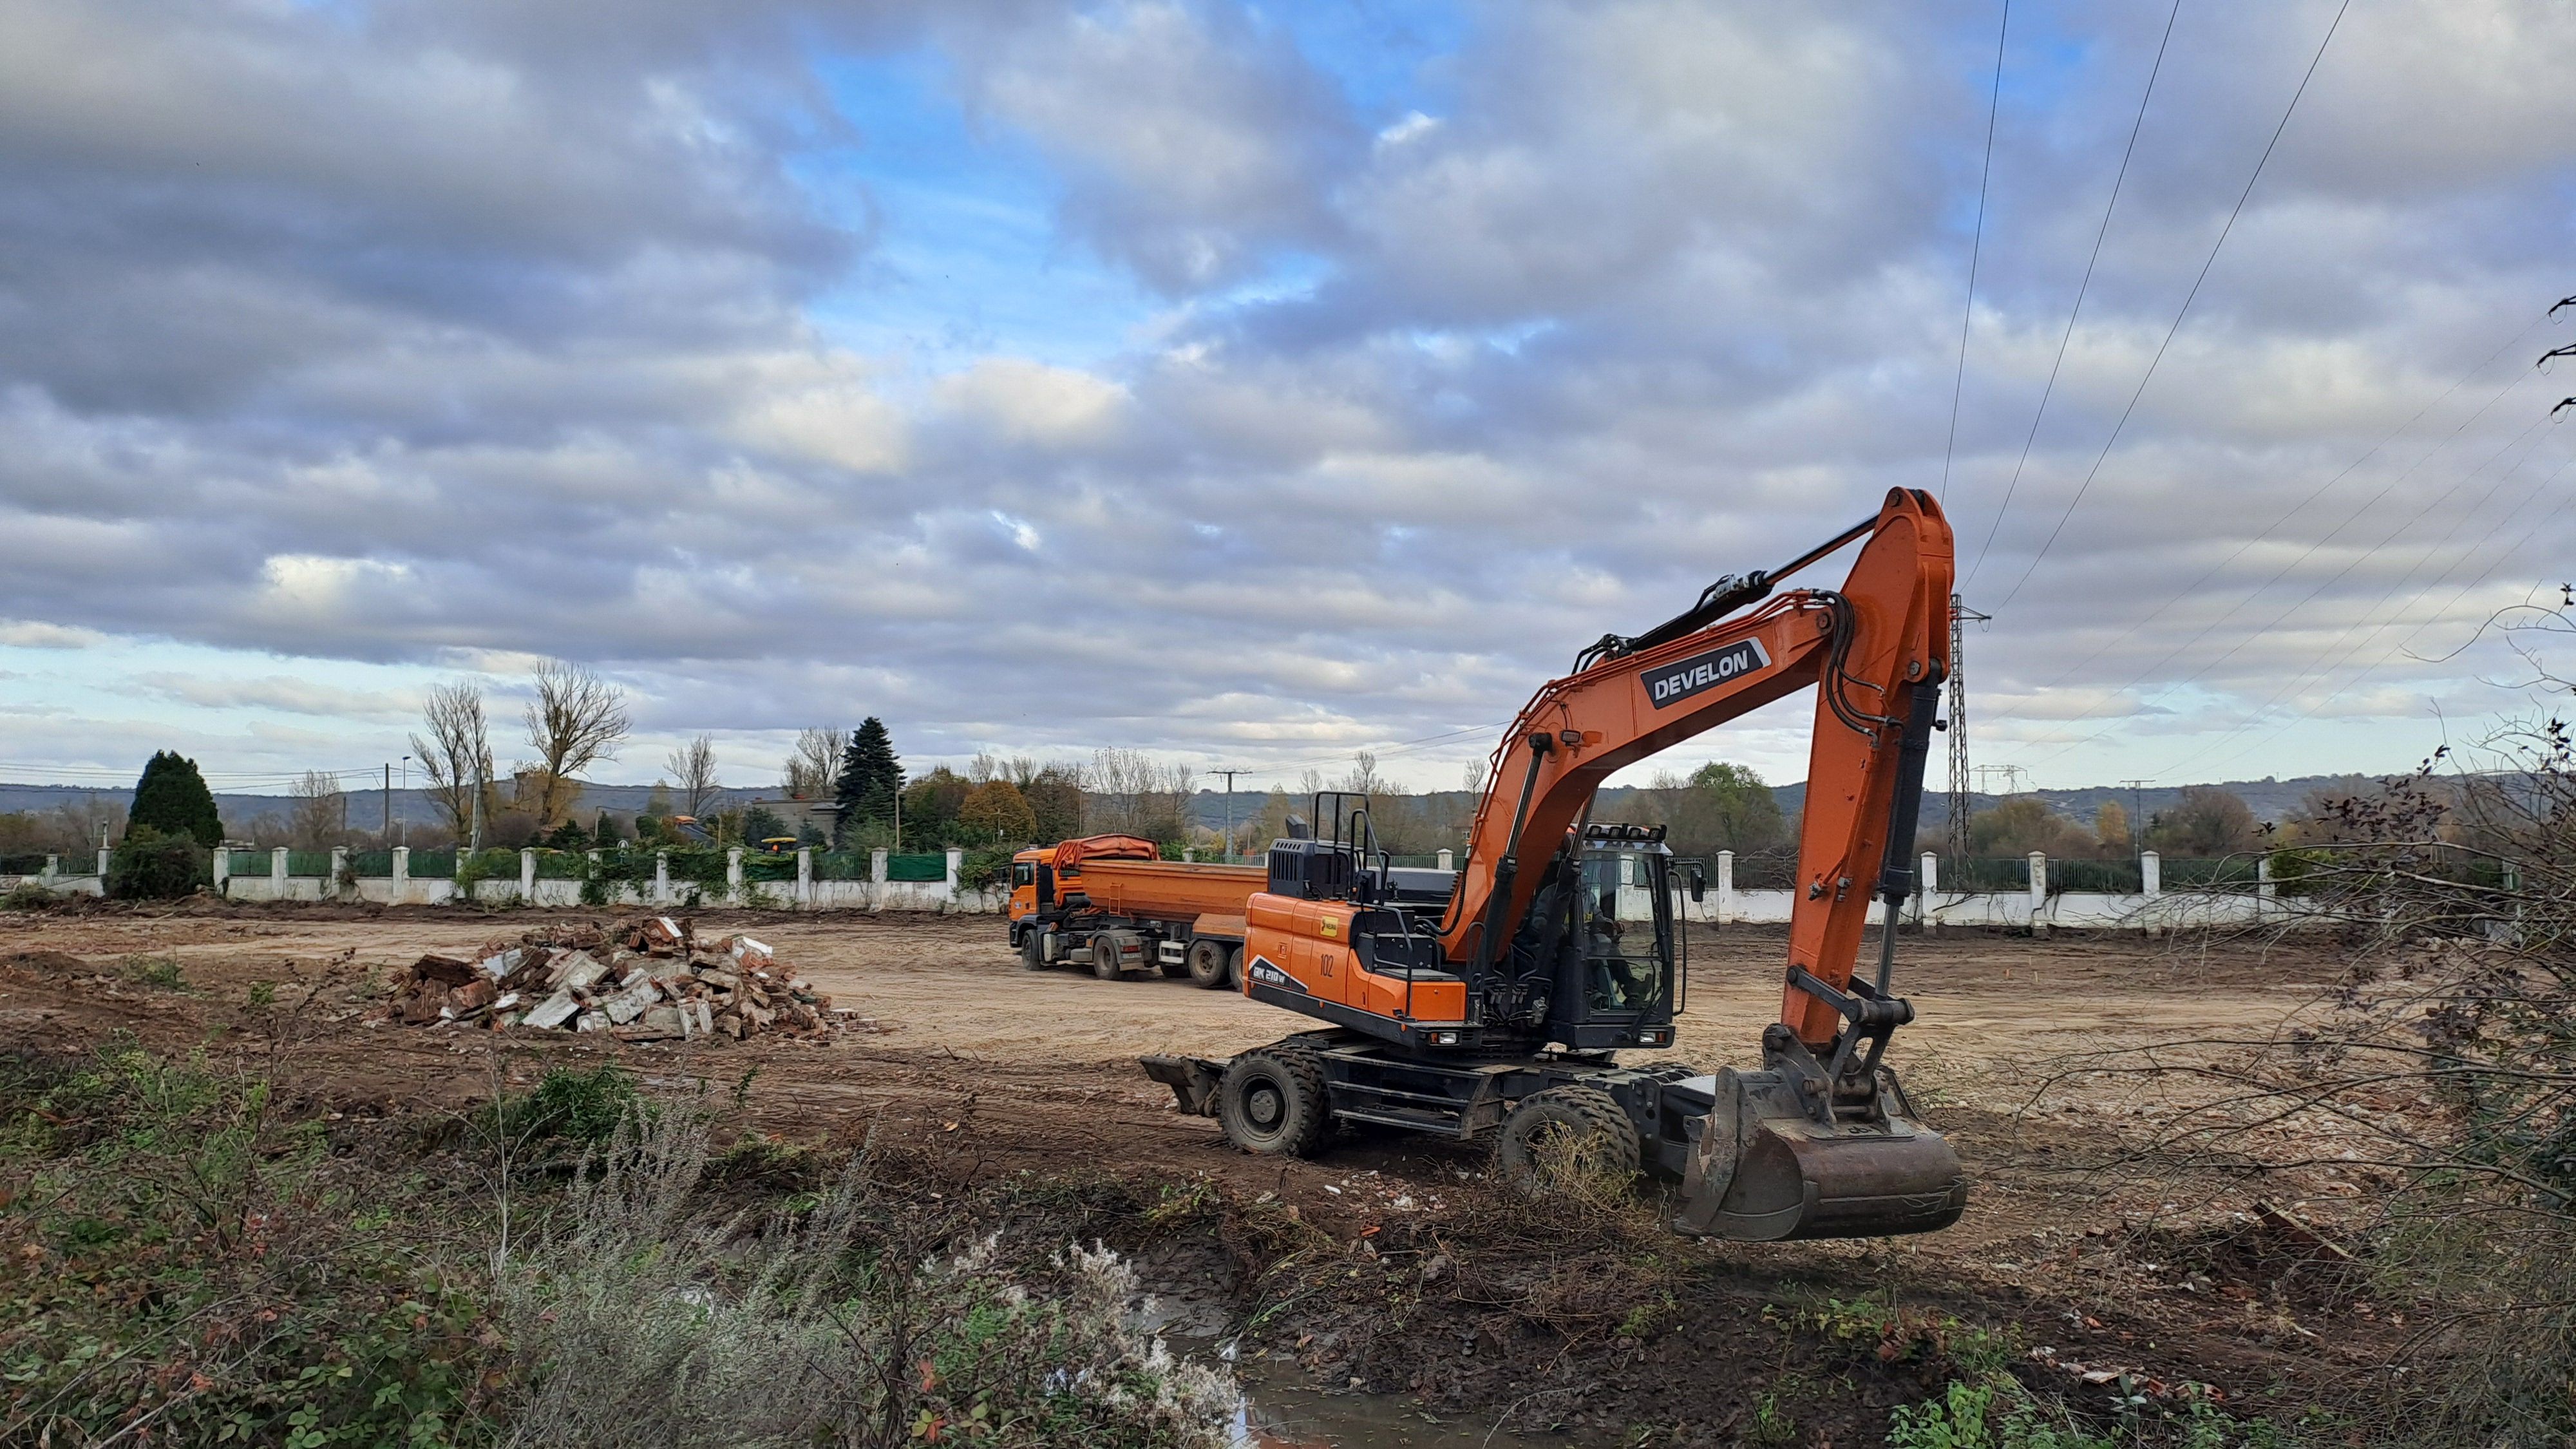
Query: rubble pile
(645, 979)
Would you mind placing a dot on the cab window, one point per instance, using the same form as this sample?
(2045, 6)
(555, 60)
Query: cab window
(1023, 872)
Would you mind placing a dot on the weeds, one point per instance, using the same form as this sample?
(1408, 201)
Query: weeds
(181, 1264)
(1997, 1412)
(26, 895)
(161, 972)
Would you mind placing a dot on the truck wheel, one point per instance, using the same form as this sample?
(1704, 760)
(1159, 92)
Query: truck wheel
(1172, 969)
(1564, 1135)
(1104, 957)
(1032, 952)
(1274, 1102)
(1234, 969)
(1207, 963)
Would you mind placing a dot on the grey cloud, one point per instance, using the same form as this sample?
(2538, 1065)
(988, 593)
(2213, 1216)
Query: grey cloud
(1662, 292)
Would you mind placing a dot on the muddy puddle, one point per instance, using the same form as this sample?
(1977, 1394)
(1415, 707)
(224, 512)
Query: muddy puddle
(1283, 1411)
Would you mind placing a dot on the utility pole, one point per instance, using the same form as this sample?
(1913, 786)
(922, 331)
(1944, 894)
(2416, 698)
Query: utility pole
(1960, 613)
(389, 804)
(2137, 815)
(1229, 813)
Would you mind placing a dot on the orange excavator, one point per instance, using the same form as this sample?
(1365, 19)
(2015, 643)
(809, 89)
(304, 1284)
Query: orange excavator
(1496, 1012)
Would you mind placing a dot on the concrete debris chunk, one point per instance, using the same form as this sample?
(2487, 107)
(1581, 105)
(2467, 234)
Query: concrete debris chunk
(576, 971)
(642, 979)
(630, 1003)
(554, 1012)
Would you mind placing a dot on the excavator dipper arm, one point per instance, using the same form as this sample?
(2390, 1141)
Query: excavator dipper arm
(1814, 1144)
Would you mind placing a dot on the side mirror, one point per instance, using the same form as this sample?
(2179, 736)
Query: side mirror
(1698, 884)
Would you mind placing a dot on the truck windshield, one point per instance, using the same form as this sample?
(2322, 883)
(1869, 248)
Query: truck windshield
(1621, 916)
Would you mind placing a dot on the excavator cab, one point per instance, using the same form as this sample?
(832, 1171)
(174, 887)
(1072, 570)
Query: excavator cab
(1627, 966)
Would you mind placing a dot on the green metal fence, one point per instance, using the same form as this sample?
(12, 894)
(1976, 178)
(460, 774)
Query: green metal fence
(371, 864)
(2227, 873)
(841, 865)
(1975, 873)
(917, 868)
(2110, 877)
(431, 864)
(22, 864)
(763, 866)
(248, 862)
(309, 863)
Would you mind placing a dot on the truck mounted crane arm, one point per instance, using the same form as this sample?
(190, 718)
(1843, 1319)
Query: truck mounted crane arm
(1876, 651)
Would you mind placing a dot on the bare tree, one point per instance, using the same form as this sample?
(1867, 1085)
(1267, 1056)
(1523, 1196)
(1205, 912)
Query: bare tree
(457, 755)
(575, 721)
(319, 809)
(1126, 792)
(693, 775)
(813, 771)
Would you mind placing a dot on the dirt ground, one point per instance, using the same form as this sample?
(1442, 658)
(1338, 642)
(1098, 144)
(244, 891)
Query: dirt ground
(2163, 1277)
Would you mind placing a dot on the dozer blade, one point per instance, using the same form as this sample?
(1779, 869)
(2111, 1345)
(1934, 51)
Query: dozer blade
(1762, 1170)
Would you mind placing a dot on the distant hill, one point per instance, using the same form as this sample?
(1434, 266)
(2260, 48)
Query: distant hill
(2268, 798)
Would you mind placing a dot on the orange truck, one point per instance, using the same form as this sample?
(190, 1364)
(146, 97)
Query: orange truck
(1112, 903)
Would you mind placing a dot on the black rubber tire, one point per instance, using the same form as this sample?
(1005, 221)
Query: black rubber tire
(1274, 1102)
(1588, 1111)
(1033, 951)
(1104, 958)
(1207, 962)
(1234, 969)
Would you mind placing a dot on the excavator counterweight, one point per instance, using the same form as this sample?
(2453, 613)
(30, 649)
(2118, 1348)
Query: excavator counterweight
(1493, 1010)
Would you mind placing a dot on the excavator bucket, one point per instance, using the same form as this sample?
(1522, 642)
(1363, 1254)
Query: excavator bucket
(1762, 1169)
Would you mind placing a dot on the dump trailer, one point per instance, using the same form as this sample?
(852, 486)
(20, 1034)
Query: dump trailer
(1112, 903)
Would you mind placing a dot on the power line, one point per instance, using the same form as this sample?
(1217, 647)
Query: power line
(2185, 311)
(1977, 246)
(2247, 636)
(2286, 569)
(2082, 288)
(2264, 534)
(2366, 640)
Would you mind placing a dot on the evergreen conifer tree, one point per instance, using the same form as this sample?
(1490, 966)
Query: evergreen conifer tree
(871, 779)
(173, 799)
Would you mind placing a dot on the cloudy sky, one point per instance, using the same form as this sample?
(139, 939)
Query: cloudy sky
(1250, 384)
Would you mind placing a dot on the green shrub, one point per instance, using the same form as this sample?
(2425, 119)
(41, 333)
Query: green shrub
(148, 865)
(578, 1106)
(27, 896)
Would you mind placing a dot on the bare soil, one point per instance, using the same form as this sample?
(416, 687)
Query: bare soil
(1381, 1265)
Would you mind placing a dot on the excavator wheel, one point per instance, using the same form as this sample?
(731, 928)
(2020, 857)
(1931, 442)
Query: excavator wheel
(1207, 963)
(1566, 1127)
(1275, 1102)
